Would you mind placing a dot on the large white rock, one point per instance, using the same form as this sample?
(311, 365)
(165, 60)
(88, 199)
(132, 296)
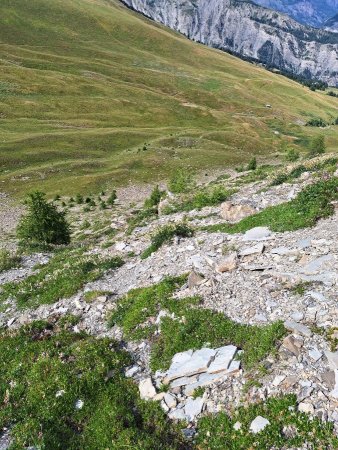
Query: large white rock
(146, 388)
(223, 358)
(198, 362)
(258, 424)
(257, 234)
(193, 407)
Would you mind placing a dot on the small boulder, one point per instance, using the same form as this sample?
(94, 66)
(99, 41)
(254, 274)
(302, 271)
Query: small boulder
(228, 264)
(234, 213)
(194, 279)
(146, 388)
(257, 234)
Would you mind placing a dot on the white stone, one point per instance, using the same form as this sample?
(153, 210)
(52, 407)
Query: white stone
(177, 414)
(278, 379)
(334, 392)
(223, 358)
(257, 234)
(256, 249)
(298, 328)
(198, 362)
(315, 354)
(79, 404)
(333, 359)
(146, 388)
(258, 424)
(170, 400)
(306, 408)
(132, 371)
(120, 246)
(193, 407)
(237, 426)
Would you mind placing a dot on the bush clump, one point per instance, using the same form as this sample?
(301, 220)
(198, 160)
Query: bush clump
(201, 199)
(318, 146)
(292, 155)
(43, 224)
(8, 260)
(316, 122)
(112, 198)
(155, 198)
(166, 234)
(252, 164)
(181, 182)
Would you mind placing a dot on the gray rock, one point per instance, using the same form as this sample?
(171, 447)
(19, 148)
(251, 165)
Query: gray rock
(194, 279)
(256, 249)
(170, 400)
(298, 328)
(223, 358)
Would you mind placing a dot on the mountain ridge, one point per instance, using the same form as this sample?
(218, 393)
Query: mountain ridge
(251, 31)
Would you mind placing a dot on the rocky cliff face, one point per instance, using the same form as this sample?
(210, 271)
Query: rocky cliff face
(310, 12)
(250, 31)
(332, 24)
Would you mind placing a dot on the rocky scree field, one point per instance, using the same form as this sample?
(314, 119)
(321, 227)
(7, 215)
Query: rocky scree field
(205, 318)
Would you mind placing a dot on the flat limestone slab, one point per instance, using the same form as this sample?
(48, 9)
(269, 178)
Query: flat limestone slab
(197, 363)
(223, 358)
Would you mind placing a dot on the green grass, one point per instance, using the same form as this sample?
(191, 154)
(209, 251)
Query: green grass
(165, 235)
(216, 432)
(310, 205)
(61, 277)
(86, 84)
(204, 197)
(8, 260)
(329, 164)
(200, 326)
(46, 369)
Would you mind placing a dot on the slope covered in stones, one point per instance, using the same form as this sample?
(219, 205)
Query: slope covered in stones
(228, 336)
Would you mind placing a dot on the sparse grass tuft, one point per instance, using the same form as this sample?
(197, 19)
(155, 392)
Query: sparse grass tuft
(288, 428)
(312, 204)
(62, 277)
(8, 261)
(205, 197)
(166, 234)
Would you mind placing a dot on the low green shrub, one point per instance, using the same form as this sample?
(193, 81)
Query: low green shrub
(198, 327)
(203, 198)
(154, 199)
(166, 234)
(8, 260)
(252, 164)
(318, 146)
(316, 122)
(292, 155)
(181, 182)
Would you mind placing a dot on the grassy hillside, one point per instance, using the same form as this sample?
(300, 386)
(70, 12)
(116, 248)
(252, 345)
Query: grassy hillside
(85, 84)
